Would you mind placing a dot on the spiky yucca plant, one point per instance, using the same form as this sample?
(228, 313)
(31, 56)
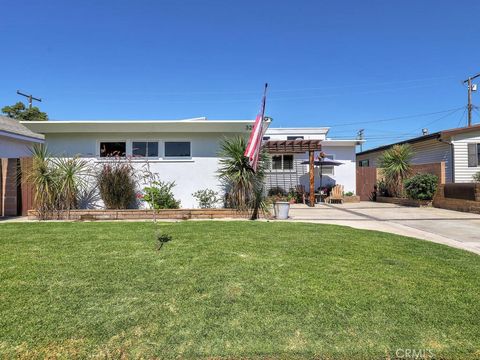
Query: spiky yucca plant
(395, 165)
(245, 186)
(72, 178)
(44, 178)
(56, 181)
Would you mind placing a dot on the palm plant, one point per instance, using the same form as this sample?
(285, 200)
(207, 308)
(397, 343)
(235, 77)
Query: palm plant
(244, 185)
(44, 179)
(72, 178)
(395, 165)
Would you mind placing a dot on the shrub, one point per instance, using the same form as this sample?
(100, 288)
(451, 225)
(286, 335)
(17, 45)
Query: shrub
(277, 190)
(421, 186)
(160, 195)
(476, 177)
(116, 184)
(207, 198)
(382, 188)
(349, 193)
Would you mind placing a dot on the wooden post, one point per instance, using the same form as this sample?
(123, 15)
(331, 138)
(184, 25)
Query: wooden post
(312, 177)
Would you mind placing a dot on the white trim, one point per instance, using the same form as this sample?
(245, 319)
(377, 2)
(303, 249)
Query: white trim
(146, 141)
(11, 135)
(99, 141)
(177, 157)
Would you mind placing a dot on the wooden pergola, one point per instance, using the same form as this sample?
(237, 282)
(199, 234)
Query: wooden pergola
(297, 147)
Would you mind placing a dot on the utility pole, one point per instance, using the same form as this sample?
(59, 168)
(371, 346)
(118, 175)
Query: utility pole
(360, 137)
(471, 87)
(30, 98)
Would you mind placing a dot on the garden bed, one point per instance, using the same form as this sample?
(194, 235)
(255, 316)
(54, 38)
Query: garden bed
(351, 199)
(404, 201)
(142, 214)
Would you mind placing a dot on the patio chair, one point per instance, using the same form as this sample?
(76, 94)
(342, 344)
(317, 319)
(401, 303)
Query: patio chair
(336, 195)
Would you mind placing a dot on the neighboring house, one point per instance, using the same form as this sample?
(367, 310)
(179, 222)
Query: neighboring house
(186, 151)
(15, 141)
(15, 138)
(459, 148)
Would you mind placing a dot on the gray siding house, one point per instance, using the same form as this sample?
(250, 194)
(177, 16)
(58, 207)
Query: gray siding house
(459, 148)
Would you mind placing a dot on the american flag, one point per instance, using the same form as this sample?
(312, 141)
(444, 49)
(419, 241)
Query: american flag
(252, 152)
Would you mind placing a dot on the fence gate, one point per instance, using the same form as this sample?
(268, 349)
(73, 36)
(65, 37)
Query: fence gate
(26, 189)
(366, 180)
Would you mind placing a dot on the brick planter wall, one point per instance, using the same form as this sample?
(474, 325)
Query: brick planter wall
(137, 214)
(404, 201)
(351, 199)
(457, 204)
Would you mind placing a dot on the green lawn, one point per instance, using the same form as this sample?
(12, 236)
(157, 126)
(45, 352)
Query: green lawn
(232, 290)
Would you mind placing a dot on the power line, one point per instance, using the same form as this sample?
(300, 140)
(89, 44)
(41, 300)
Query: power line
(381, 135)
(397, 118)
(461, 117)
(219, 92)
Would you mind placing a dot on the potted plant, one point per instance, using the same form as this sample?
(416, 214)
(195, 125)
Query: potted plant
(281, 206)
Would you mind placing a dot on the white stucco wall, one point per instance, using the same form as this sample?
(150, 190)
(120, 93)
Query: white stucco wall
(190, 175)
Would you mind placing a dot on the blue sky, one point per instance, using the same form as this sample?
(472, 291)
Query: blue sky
(343, 64)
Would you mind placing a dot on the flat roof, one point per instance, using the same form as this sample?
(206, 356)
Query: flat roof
(102, 126)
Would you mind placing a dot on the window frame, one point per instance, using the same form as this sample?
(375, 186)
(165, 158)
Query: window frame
(99, 144)
(476, 154)
(168, 157)
(361, 163)
(145, 141)
(282, 169)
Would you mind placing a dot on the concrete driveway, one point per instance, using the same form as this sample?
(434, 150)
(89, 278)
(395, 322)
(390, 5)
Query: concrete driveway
(453, 228)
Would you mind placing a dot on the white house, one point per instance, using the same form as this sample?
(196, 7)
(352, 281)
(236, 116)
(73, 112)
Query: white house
(458, 148)
(186, 151)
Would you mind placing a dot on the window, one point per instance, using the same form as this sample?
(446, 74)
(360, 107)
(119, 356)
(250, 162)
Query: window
(114, 148)
(282, 162)
(327, 170)
(473, 154)
(294, 137)
(177, 149)
(364, 163)
(277, 162)
(145, 149)
(287, 162)
(266, 138)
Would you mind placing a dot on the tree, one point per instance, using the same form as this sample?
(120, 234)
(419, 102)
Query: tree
(20, 112)
(395, 165)
(244, 186)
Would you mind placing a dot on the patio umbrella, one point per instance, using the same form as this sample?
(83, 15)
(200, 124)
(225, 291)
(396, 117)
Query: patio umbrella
(322, 164)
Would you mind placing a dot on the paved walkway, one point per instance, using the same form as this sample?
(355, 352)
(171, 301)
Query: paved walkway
(453, 228)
